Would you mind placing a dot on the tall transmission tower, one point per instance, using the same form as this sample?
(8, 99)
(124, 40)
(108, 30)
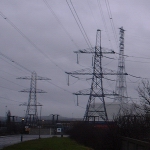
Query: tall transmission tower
(96, 93)
(31, 116)
(121, 87)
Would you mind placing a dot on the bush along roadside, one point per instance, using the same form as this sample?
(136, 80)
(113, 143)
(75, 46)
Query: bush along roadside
(96, 136)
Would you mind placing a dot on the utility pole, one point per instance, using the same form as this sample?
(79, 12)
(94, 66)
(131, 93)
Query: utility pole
(96, 93)
(40, 123)
(31, 116)
(121, 87)
(57, 118)
(53, 119)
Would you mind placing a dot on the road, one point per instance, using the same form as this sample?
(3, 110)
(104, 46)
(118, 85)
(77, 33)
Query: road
(13, 139)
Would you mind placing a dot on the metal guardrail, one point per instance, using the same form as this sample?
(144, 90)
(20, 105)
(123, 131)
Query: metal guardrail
(134, 144)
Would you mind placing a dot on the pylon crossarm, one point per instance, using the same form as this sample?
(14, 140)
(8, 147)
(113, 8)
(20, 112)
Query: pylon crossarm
(87, 50)
(95, 111)
(88, 91)
(83, 92)
(26, 78)
(23, 104)
(29, 90)
(92, 51)
(89, 71)
(35, 105)
(26, 104)
(86, 70)
(37, 78)
(42, 78)
(40, 91)
(96, 74)
(96, 95)
(78, 73)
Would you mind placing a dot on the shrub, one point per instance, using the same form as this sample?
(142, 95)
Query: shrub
(134, 126)
(96, 137)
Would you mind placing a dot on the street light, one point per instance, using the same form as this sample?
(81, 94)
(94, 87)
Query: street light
(22, 130)
(57, 118)
(40, 123)
(6, 112)
(22, 121)
(53, 118)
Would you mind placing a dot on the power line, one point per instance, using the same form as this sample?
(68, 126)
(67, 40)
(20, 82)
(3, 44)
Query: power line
(9, 99)
(59, 87)
(139, 57)
(52, 11)
(108, 63)
(8, 88)
(132, 81)
(11, 63)
(111, 21)
(92, 13)
(25, 37)
(7, 103)
(26, 70)
(137, 61)
(104, 22)
(11, 81)
(15, 27)
(137, 76)
(9, 73)
(8, 58)
(131, 57)
(79, 24)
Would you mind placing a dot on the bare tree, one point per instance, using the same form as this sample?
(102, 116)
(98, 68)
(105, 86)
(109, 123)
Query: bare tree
(144, 94)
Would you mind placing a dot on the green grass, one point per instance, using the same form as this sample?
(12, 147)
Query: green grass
(54, 143)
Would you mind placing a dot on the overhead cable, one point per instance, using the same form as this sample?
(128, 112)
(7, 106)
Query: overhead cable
(104, 22)
(25, 37)
(52, 11)
(77, 19)
(111, 21)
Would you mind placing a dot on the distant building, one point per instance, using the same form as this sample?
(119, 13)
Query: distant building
(115, 108)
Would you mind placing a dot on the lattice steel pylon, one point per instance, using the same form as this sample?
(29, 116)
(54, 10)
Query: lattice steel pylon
(121, 87)
(96, 92)
(96, 85)
(31, 116)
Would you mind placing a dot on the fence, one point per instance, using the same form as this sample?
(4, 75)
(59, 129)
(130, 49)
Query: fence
(39, 131)
(133, 144)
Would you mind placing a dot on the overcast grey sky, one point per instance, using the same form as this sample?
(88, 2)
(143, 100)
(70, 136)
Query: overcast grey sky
(41, 36)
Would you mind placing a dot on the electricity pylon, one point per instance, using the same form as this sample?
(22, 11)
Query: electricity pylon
(96, 93)
(31, 116)
(121, 87)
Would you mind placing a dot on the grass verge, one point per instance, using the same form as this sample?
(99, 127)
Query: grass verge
(53, 143)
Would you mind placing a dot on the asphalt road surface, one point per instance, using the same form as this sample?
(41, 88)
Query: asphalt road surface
(13, 139)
